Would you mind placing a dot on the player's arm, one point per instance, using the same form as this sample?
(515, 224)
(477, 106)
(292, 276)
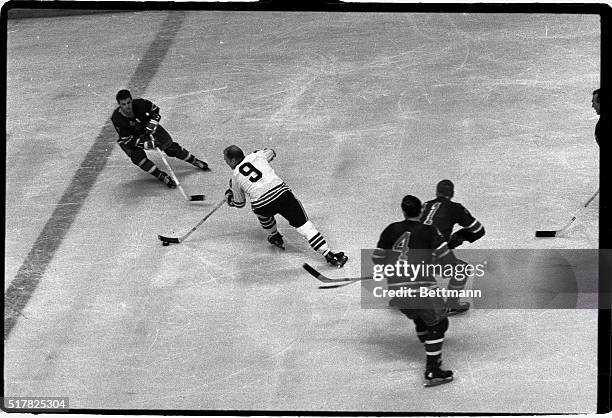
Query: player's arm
(441, 253)
(234, 196)
(269, 153)
(125, 132)
(383, 247)
(472, 229)
(152, 113)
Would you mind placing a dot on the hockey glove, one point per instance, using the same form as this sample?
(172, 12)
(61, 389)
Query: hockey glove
(145, 142)
(153, 123)
(152, 126)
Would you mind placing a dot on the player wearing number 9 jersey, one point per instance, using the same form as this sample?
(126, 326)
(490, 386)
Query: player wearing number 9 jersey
(254, 177)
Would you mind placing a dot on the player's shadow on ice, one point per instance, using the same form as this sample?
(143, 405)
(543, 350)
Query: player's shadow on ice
(148, 186)
(130, 190)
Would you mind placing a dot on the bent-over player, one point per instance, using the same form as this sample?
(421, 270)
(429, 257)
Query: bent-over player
(253, 176)
(418, 243)
(135, 120)
(443, 213)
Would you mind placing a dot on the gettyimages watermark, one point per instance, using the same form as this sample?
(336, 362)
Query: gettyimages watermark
(487, 279)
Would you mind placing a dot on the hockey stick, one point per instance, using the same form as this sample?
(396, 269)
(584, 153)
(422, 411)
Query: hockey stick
(332, 283)
(193, 197)
(555, 233)
(171, 240)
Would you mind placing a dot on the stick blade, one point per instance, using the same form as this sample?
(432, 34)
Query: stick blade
(334, 286)
(196, 198)
(169, 240)
(311, 270)
(546, 234)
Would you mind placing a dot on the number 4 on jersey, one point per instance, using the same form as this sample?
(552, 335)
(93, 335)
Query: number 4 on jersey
(402, 246)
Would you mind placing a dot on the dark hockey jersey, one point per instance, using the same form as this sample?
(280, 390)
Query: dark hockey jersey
(602, 130)
(144, 111)
(443, 213)
(414, 242)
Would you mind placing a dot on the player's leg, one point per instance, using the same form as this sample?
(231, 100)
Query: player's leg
(421, 328)
(292, 210)
(437, 324)
(268, 223)
(428, 315)
(419, 325)
(164, 141)
(454, 306)
(434, 340)
(139, 158)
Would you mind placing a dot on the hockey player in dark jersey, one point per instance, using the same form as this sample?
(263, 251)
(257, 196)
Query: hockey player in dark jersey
(602, 128)
(253, 176)
(417, 243)
(444, 214)
(135, 120)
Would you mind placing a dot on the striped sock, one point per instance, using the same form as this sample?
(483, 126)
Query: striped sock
(433, 349)
(268, 223)
(315, 239)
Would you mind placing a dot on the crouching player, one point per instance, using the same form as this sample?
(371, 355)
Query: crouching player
(253, 176)
(416, 243)
(136, 121)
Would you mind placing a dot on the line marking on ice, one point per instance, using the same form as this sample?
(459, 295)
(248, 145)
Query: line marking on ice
(49, 240)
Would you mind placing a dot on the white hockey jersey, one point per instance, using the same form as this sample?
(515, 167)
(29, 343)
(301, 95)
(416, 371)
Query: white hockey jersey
(254, 177)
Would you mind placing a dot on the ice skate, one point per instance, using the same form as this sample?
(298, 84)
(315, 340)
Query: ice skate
(336, 259)
(437, 376)
(167, 180)
(276, 239)
(456, 308)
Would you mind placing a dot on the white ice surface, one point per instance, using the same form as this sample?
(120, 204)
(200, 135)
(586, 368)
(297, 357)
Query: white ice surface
(361, 109)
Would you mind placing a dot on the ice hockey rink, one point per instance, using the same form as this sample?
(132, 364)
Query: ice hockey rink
(362, 109)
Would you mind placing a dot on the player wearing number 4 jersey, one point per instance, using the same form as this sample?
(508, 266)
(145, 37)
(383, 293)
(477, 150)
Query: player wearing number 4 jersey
(418, 244)
(443, 213)
(253, 176)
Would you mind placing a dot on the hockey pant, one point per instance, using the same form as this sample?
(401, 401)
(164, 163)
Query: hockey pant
(290, 208)
(163, 141)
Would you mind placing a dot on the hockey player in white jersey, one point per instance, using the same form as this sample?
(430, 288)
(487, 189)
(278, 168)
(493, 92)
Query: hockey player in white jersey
(253, 176)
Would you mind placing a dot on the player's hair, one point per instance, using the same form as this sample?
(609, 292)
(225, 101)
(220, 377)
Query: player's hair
(597, 92)
(233, 152)
(445, 188)
(122, 95)
(411, 206)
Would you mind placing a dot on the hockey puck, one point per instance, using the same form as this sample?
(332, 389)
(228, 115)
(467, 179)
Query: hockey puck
(547, 234)
(165, 243)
